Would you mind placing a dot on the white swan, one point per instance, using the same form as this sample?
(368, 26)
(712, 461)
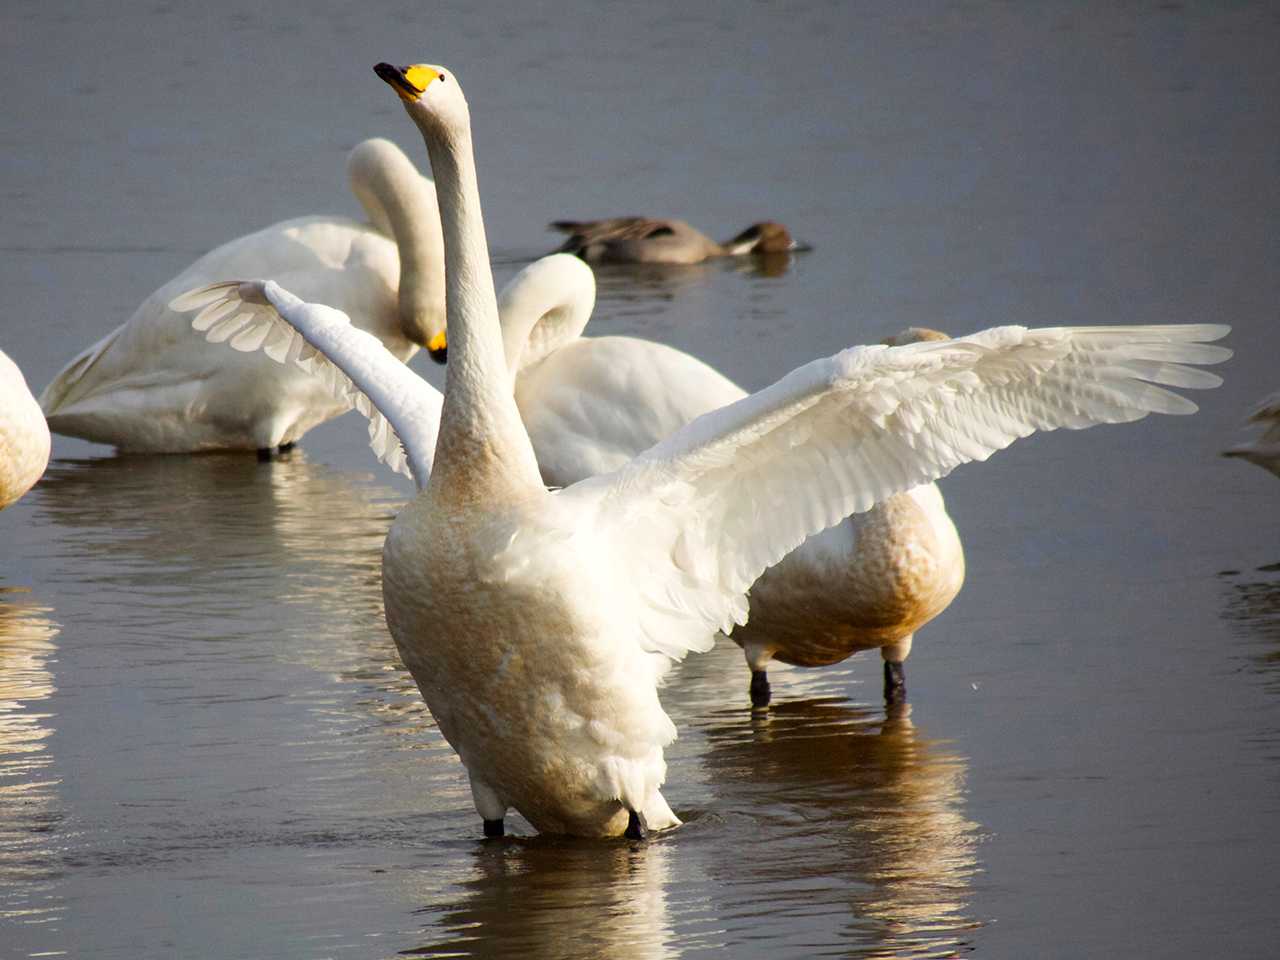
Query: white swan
(24, 436)
(537, 624)
(1265, 449)
(591, 404)
(150, 385)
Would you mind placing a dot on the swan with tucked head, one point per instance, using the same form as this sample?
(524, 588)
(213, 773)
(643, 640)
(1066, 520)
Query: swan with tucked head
(24, 436)
(538, 623)
(150, 386)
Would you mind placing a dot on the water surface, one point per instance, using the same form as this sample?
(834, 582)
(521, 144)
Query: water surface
(204, 727)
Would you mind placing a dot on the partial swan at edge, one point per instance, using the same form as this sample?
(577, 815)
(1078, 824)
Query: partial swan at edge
(24, 435)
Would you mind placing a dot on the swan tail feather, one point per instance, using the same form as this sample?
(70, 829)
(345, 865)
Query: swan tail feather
(62, 389)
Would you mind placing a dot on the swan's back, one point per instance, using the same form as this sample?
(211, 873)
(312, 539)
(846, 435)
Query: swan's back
(154, 385)
(596, 402)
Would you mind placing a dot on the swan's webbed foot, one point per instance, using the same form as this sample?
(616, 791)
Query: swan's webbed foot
(635, 827)
(494, 828)
(760, 692)
(286, 447)
(895, 682)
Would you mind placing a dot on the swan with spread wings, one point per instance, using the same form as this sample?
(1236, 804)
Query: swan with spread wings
(539, 623)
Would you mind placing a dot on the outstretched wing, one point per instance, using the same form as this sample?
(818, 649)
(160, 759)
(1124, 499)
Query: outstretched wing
(403, 409)
(705, 511)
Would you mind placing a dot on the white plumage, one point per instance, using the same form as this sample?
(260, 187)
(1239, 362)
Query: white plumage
(1264, 450)
(538, 624)
(591, 404)
(24, 436)
(151, 385)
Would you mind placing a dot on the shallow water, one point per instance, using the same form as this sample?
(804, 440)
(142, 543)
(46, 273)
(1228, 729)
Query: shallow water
(208, 747)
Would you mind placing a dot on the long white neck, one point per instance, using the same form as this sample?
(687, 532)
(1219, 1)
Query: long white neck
(545, 306)
(402, 202)
(483, 452)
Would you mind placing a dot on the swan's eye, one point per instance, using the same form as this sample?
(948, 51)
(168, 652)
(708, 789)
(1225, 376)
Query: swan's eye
(443, 77)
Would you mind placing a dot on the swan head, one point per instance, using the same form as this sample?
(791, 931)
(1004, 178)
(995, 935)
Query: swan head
(430, 93)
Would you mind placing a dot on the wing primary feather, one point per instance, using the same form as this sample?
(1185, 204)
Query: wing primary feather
(741, 486)
(255, 315)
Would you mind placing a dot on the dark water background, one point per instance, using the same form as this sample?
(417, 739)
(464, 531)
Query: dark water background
(207, 745)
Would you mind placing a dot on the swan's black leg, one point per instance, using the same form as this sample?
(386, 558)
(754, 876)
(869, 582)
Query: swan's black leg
(494, 828)
(895, 682)
(635, 827)
(285, 447)
(760, 692)
(265, 454)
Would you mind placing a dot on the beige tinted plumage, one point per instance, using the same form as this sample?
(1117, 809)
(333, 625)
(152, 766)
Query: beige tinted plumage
(24, 435)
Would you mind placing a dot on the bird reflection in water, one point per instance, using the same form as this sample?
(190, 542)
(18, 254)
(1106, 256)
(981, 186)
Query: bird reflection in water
(1252, 606)
(217, 509)
(542, 897)
(30, 811)
(653, 283)
(828, 822)
(865, 818)
(223, 534)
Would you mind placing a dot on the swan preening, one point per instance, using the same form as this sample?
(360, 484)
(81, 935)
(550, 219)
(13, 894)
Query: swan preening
(151, 385)
(1265, 449)
(538, 623)
(24, 435)
(649, 240)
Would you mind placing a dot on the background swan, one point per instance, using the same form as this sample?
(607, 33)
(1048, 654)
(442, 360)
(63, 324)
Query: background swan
(537, 624)
(590, 404)
(648, 240)
(24, 436)
(150, 385)
(1265, 449)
